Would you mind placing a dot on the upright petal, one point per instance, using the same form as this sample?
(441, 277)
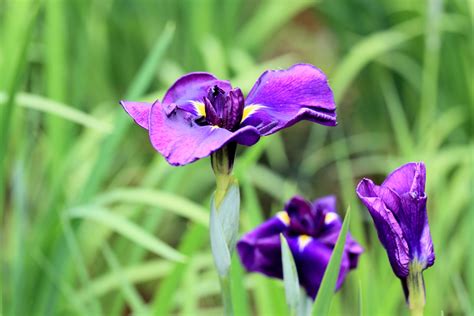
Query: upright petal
(388, 229)
(281, 98)
(175, 134)
(139, 111)
(413, 220)
(408, 178)
(192, 87)
(260, 249)
(303, 219)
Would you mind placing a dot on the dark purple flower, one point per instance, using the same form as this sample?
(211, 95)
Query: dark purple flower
(201, 114)
(312, 230)
(398, 209)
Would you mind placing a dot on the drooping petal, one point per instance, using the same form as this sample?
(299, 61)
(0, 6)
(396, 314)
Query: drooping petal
(408, 178)
(259, 250)
(388, 229)
(193, 87)
(139, 111)
(175, 134)
(311, 259)
(332, 227)
(281, 98)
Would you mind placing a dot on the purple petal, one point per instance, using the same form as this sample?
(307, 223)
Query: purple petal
(414, 223)
(175, 135)
(281, 98)
(408, 178)
(303, 219)
(139, 111)
(259, 250)
(426, 247)
(326, 203)
(388, 229)
(311, 261)
(192, 87)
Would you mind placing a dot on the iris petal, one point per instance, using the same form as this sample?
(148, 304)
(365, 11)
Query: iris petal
(408, 178)
(193, 87)
(312, 261)
(388, 229)
(139, 111)
(175, 134)
(281, 98)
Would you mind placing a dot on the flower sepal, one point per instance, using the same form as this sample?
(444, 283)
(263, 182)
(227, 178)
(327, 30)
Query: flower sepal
(415, 288)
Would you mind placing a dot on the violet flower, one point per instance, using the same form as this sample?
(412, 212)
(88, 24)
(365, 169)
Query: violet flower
(201, 114)
(311, 230)
(398, 209)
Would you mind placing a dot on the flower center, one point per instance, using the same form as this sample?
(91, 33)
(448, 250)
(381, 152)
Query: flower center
(224, 109)
(305, 219)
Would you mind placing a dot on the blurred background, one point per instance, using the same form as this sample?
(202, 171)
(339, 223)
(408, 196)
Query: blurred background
(93, 218)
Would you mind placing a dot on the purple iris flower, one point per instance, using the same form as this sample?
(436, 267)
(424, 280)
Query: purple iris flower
(312, 230)
(200, 114)
(398, 209)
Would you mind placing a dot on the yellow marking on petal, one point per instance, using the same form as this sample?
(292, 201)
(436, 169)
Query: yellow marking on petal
(329, 218)
(200, 108)
(249, 110)
(303, 241)
(284, 217)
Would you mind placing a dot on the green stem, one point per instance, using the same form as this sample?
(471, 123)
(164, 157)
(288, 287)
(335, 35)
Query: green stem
(416, 289)
(222, 162)
(226, 295)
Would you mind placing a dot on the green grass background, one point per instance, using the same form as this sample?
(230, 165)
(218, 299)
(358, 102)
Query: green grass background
(93, 220)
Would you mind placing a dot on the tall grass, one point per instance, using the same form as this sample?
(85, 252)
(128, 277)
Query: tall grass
(94, 222)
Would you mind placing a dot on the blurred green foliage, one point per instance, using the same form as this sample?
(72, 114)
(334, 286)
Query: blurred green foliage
(93, 220)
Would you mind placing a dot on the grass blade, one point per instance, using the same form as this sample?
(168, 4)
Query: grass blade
(290, 277)
(168, 201)
(326, 291)
(129, 230)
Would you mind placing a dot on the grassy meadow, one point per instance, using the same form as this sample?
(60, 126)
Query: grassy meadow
(93, 219)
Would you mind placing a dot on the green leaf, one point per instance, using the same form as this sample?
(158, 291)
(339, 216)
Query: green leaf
(224, 226)
(290, 277)
(228, 214)
(220, 251)
(326, 291)
(129, 230)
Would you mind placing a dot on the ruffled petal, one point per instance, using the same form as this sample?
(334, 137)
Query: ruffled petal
(281, 98)
(175, 134)
(311, 259)
(408, 178)
(193, 87)
(139, 111)
(388, 229)
(260, 250)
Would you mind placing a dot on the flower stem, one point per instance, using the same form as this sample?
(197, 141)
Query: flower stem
(416, 289)
(226, 296)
